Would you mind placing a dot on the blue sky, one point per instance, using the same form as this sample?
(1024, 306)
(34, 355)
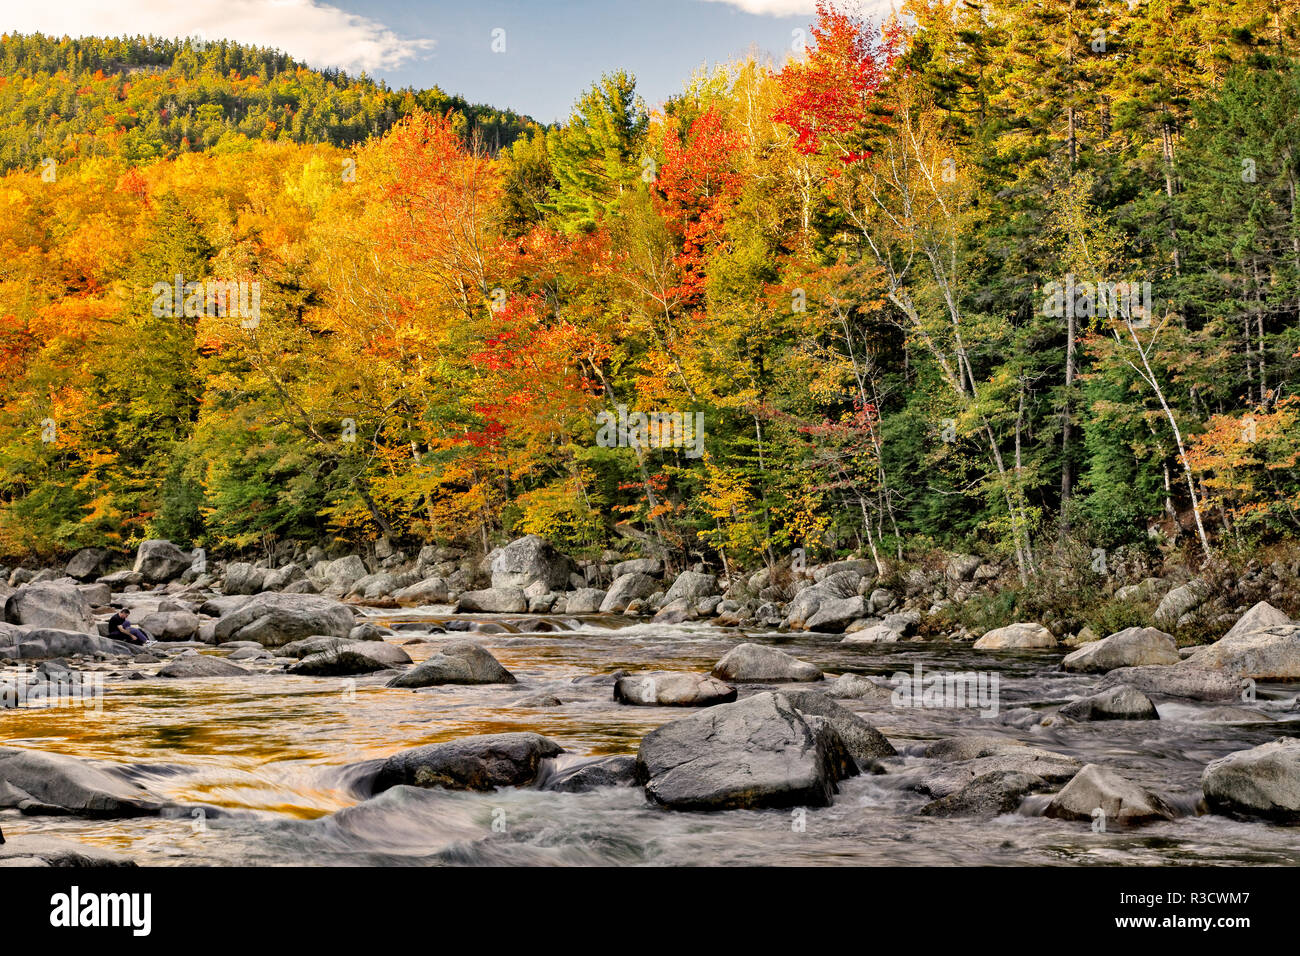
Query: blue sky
(554, 49)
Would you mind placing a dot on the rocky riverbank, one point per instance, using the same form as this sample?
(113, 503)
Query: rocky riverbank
(823, 701)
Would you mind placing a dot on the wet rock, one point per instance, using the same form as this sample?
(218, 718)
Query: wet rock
(586, 775)
(625, 590)
(32, 780)
(864, 742)
(458, 662)
(1122, 702)
(1022, 636)
(1232, 715)
(758, 752)
(493, 601)
(1095, 788)
(673, 690)
(1179, 680)
(358, 657)
(539, 700)
(1270, 654)
(988, 795)
(158, 560)
(972, 747)
(471, 763)
(1131, 647)
(59, 606)
(201, 665)
(953, 775)
(758, 663)
(274, 619)
(39, 849)
(1263, 781)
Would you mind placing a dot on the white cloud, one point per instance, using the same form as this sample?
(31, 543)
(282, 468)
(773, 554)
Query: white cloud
(316, 34)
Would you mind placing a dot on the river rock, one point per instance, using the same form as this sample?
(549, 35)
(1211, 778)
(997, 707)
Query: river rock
(428, 591)
(1180, 601)
(691, 586)
(1259, 618)
(1261, 782)
(39, 643)
(758, 663)
(171, 625)
(32, 779)
(274, 619)
(873, 634)
(841, 584)
(281, 578)
(584, 601)
(972, 747)
(312, 645)
(864, 742)
(956, 774)
(673, 690)
(159, 560)
(618, 770)
(88, 564)
(1122, 702)
(201, 665)
(39, 849)
(758, 752)
(471, 763)
(833, 615)
(1270, 654)
(59, 606)
(1123, 802)
(988, 795)
(357, 657)
(1131, 647)
(676, 612)
(243, 578)
(457, 662)
(857, 687)
(1178, 680)
(649, 566)
(367, 631)
(1022, 636)
(627, 589)
(530, 560)
(493, 601)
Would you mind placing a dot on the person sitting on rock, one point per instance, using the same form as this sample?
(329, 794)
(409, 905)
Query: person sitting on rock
(121, 629)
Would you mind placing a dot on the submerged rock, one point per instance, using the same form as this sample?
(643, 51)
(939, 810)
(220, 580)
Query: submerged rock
(1122, 702)
(201, 665)
(673, 690)
(357, 657)
(588, 774)
(988, 795)
(38, 782)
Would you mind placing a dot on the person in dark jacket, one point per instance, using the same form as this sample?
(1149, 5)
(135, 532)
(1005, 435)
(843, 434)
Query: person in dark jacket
(121, 629)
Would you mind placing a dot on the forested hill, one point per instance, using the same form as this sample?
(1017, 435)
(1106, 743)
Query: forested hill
(147, 98)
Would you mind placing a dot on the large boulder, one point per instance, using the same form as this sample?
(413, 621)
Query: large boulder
(1122, 702)
(530, 560)
(1261, 782)
(1270, 654)
(1095, 788)
(493, 601)
(243, 578)
(1180, 601)
(158, 560)
(758, 752)
(88, 564)
(841, 584)
(626, 589)
(833, 615)
(357, 657)
(60, 606)
(673, 690)
(41, 643)
(457, 662)
(1022, 636)
(691, 586)
(282, 578)
(1259, 618)
(36, 782)
(638, 566)
(431, 590)
(274, 619)
(1131, 647)
(171, 625)
(758, 663)
(471, 763)
(584, 601)
(340, 574)
(1179, 680)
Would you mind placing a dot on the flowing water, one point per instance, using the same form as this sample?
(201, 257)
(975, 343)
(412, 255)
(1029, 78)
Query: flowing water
(260, 765)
